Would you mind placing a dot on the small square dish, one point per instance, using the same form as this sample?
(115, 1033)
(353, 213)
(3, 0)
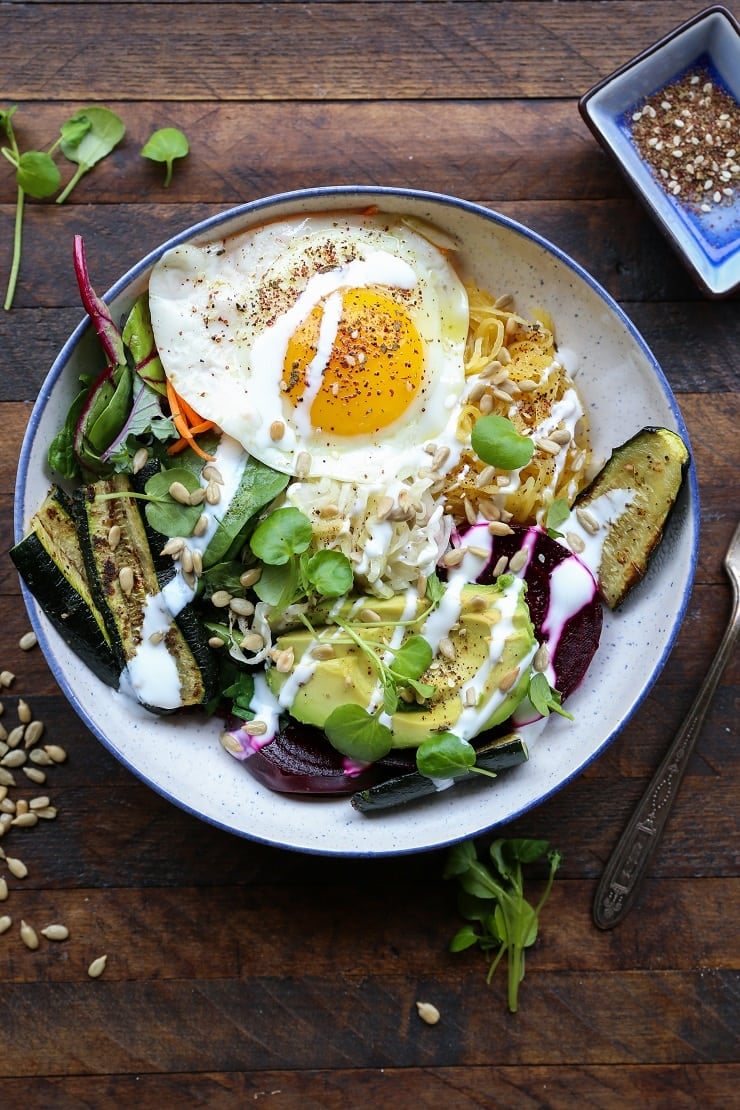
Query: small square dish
(670, 117)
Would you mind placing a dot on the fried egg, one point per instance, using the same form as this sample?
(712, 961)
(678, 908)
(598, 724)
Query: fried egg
(324, 344)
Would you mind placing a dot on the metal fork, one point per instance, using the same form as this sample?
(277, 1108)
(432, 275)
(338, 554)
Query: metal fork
(636, 847)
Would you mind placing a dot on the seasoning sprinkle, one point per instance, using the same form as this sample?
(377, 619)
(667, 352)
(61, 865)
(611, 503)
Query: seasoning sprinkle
(687, 134)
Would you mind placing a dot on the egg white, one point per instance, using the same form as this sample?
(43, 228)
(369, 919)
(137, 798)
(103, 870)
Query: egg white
(224, 312)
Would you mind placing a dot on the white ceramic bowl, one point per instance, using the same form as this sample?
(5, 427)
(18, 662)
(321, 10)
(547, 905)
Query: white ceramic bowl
(624, 390)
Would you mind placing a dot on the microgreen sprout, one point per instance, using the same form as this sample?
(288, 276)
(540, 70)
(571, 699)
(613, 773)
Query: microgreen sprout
(289, 570)
(557, 514)
(164, 146)
(36, 174)
(445, 755)
(493, 897)
(496, 441)
(88, 137)
(544, 698)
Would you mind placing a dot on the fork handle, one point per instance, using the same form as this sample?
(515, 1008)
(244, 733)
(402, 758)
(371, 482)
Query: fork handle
(636, 847)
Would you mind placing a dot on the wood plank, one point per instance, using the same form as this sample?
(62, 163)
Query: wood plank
(327, 51)
(312, 1022)
(381, 930)
(528, 1087)
(533, 150)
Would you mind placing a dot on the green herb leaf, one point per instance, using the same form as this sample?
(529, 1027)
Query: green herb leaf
(412, 658)
(330, 573)
(164, 514)
(557, 514)
(544, 698)
(164, 146)
(284, 533)
(357, 734)
(444, 755)
(37, 174)
(104, 133)
(496, 441)
(510, 923)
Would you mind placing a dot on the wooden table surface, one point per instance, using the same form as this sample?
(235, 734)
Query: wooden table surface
(239, 973)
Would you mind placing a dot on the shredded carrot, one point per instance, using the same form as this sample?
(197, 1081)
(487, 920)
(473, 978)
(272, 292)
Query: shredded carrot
(187, 423)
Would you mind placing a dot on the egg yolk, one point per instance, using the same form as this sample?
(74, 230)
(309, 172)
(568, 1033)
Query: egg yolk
(373, 373)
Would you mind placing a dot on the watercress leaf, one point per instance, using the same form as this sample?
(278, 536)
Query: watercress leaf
(164, 146)
(463, 938)
(330, 573)
(37, 174)
(498, 857)
(479, 881)
(104, 133)
(6, 114)
(412, 658)
(444, 755)
(74, 130)
(497, 442)
(357, 734)
(269, 587)
(434, 589)
(61, 453)
(544, 698)
(165, 515)
(557, 514)
(458, 859)
(283, 533)
(526, 850)
(390, 695)
(526, 924)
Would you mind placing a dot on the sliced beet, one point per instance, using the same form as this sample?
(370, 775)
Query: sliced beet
(579, 638)
(300, 760)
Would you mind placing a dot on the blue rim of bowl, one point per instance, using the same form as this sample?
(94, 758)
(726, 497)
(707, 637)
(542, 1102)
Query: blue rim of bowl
(583, 107)
(344, 192)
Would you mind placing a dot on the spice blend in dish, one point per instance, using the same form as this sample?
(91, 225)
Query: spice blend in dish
(688, 132)
(324, 488)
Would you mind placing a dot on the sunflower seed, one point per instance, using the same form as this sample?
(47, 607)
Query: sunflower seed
(198, 496)
(55, 932)
(250, 577)
(221, 599)
(303, 465)
(173, 546)
(39, 802)
(201, 525)
(24, 712)
(114, 536)
(16, 867)
(212, 474)
(97, 967)
(213, 493)
(6, 678)
(6, 779)
(57, 753)
(34, 732)
(15, 736)
(241, 606)
(126, 580)
(541, 660)
(252, 641)
(27, 641)
(48, 813)
(508, 679)
(34, 774)
(25, 820)
(179, 493)
(29, 936)
(3, 889)
(15, 758)
(277, 430)
(498, 528)
(5, 923)
(428, 1013)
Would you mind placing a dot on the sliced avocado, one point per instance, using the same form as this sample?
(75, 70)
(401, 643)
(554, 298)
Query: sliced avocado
(349, 676)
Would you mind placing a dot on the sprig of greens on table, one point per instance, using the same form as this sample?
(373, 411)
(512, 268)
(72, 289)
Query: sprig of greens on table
(87, 137)
(500, 919)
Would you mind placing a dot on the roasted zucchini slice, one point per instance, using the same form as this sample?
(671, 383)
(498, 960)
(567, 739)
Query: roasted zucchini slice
(497, 755)
(49, 560)
(123, 580)
(647, 473)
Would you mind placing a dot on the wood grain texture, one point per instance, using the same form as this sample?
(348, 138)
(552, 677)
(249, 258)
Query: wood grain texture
(241, 973)
(329, 51)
